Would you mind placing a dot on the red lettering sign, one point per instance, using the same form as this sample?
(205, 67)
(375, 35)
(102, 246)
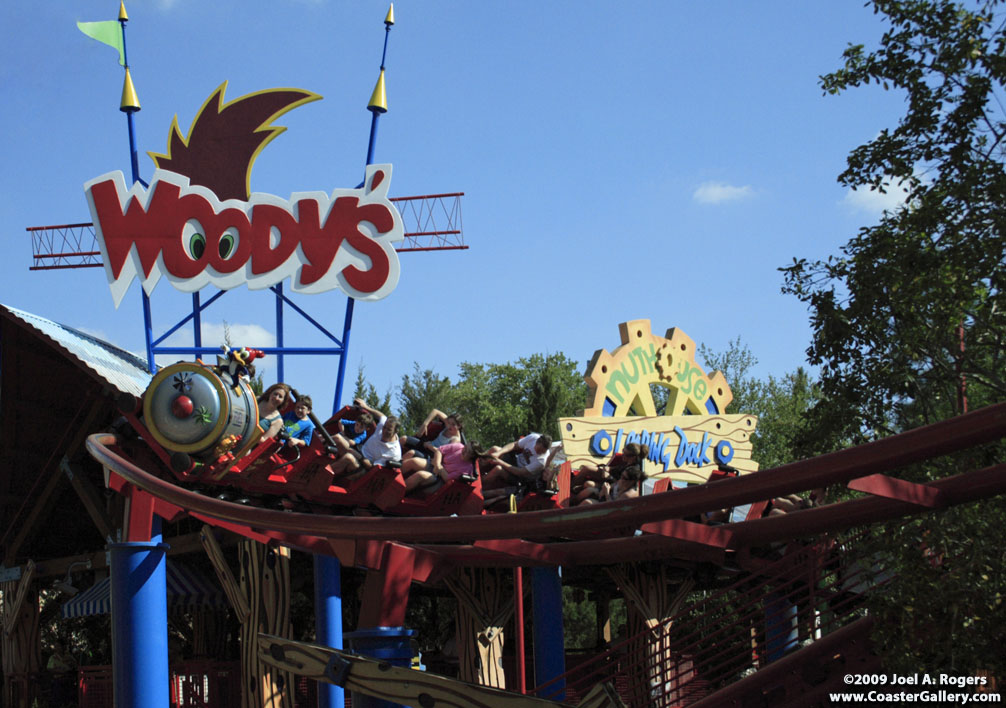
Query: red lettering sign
(185, 233)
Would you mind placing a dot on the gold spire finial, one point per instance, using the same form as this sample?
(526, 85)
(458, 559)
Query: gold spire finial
(389, 19)
(379, 99)
(123, 17)
(130, 101)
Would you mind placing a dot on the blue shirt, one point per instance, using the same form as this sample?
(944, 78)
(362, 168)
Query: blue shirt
(297, 428)
(349, 431)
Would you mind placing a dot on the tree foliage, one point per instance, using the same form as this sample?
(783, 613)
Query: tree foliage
(420, 392)
(945, 607)
(498, 402)
(779, 403)
(886, 313)
(504, 401)
(366, 390)
(914, 307)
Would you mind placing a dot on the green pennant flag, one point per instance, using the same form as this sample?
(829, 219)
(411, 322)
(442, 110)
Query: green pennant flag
(109, 33)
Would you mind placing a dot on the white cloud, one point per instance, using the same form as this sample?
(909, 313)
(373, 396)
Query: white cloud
(872, 201)
(718, 192)
(241, 335)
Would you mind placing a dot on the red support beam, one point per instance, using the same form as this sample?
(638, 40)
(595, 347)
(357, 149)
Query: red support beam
(881, 485)
(385, 594)
(970, 486)
(715, 536)
(526, 551)
(139, 516)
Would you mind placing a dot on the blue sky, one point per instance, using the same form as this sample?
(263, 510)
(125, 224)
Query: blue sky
(620, 160)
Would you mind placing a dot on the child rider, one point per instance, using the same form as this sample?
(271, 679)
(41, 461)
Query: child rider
(298, 424)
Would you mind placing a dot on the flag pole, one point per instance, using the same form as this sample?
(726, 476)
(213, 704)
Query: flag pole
(129, 105)
(378, 104)
(328, 569)
(379, 99)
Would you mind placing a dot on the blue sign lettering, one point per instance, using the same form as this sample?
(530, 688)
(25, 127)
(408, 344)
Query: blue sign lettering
(662, 448)
(690, 453)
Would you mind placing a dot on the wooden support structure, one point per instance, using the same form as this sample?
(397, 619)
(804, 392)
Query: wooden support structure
(90, 498)
(39, 506)
(73, 437)
(261, 601)
(230, 586)
(484, 608)
(400, 685)
(603, 695)
(265, 583)
(19, 648)
(209, 632)
(649, 604)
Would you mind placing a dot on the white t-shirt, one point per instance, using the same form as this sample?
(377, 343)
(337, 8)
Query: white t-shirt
(378, 451)
(527, 457)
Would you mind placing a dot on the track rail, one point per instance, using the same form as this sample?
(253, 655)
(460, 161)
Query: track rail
(468, 535)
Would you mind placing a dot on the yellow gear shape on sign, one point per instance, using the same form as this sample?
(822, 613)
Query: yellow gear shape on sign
(624, 381)
(650, 390)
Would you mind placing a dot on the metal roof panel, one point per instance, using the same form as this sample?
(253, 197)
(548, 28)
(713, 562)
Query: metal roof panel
(124, 371)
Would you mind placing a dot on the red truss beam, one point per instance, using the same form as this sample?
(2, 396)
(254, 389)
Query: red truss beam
(64, 246)
(432, 223)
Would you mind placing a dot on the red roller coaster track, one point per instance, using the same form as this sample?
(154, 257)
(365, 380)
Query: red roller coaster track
(659, 517)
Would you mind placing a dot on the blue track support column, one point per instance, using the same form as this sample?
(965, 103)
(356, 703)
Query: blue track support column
(148, 332)
(280, 373)
(340, 380)
(781, 629)
(139, 624)
(549, 643)
(328, 620)
(197, 322)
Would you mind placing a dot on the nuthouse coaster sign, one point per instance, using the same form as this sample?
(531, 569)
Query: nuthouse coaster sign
(197, 223)
(651, 391)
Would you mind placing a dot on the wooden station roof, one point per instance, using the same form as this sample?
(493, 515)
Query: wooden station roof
(57, 384)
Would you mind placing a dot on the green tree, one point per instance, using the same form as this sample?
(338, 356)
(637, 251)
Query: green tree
(779, 403)
(736, 363)
(889, 313)
(420, 392)
(366, 390)
(501, 402)
(498, 402)
(785, 404)
(914, 306)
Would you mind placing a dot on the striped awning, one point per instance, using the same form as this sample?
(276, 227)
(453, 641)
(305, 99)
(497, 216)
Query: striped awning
(187, 589)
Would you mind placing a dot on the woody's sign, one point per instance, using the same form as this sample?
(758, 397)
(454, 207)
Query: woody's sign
(197, 224)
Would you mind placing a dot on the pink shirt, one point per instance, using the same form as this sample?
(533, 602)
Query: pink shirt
(454, 463)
